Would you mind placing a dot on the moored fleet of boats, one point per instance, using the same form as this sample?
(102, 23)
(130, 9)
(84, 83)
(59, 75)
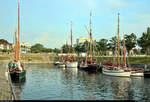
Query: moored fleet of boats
(17, 71)
(111, 69)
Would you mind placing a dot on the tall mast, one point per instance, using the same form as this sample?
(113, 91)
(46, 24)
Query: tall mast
(16, 44)
(118, 43)
(124, 48)
(90, 36)
(71, 39)
(18, 51)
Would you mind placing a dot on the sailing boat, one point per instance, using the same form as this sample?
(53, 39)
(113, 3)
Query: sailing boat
(83, 63)
(90, 65)
(134, 72)
(16, 69)
(61, 64)
(116, 70)
(70, 63)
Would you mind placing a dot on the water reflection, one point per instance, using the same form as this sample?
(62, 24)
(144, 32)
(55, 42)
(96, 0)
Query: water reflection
(45, 82)
(18, 89)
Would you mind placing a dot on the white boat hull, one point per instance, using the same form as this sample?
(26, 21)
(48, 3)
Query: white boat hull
(138, 74)
(120, 73)
(72, 65)
(83, 66)
(61, 65)
(56, 63)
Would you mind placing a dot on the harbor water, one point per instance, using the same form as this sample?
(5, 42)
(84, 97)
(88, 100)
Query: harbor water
(47, 82)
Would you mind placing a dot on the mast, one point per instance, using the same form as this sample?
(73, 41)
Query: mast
(124, 48)
(118, 43)
(91, 36)
(16, 42)
(71, 50)
(18, 50)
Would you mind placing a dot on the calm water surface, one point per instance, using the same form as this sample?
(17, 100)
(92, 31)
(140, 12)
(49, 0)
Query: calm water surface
(47, 82)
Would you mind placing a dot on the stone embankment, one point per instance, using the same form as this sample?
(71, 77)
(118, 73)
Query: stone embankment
(6, 90)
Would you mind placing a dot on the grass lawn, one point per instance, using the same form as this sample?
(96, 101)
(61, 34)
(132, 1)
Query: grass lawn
(4, 58)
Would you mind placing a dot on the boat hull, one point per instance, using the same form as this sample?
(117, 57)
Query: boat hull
(119, 73)
(61, 65)
(91, 68)
(138, 74)
(72, 65)
(18, 76)
(146, 73)
(83, 67)
(56, 63)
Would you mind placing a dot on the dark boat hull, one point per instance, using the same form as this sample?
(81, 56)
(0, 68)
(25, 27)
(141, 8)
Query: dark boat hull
(146, 73)
(92, 68)
(82, 68)
(18, 77)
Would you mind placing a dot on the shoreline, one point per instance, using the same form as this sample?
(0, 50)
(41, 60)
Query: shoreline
(47, 58)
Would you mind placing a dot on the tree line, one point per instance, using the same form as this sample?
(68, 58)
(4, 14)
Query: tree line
(102, 46)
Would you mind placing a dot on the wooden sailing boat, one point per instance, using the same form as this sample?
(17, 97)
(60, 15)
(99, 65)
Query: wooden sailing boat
(61, 63)
(83, 64)
(90, 65)
(71, 63)
(16, 69)
(117, 70)
(134, 72)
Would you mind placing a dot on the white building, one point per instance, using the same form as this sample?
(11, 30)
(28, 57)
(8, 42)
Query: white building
(25, 47)
(7, 46)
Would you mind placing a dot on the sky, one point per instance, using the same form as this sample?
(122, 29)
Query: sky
(48, 21)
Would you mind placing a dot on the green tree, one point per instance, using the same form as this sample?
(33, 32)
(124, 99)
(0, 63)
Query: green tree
(4, 50)
(46, 50)
(37, 48)
(4, 41)
(78, 48)
(65, 48)
(144, 42)
(112, 44)
(82, 47)
(102, 46)
(148, 41)
(130, 41)
(56, 50)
